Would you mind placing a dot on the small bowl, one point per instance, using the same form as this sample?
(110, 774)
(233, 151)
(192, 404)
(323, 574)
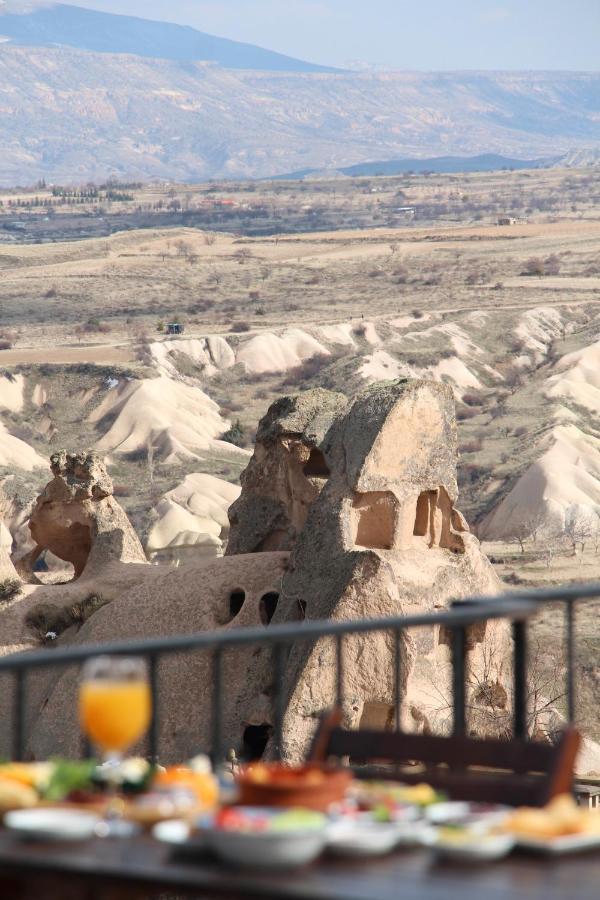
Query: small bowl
(479, 848)
(306, 787)
(267, 850)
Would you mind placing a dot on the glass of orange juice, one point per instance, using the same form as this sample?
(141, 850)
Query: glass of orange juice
(115, 708)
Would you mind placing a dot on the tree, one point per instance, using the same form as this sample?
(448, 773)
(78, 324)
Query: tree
(215, 276)
(579, 526)
(528, 528)
(534, 266)
(235, 435)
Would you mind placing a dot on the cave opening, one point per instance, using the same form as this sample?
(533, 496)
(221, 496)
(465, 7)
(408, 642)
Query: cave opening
(267, 606)
(236, 602)
(255, 740)
(315, 466)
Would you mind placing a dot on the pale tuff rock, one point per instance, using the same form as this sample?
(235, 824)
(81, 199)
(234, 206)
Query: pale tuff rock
(382, 538)
(77, 518)
(285, 474)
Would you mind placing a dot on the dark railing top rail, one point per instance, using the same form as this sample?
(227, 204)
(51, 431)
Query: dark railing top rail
(476, 610)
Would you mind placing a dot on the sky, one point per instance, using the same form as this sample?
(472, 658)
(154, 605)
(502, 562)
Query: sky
(400, 34)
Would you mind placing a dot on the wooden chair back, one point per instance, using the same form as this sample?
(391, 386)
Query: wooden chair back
(515, 772)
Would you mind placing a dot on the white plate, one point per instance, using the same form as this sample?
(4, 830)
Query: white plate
(178, 833)
(480, 849)
(570, 843)
(52, 824)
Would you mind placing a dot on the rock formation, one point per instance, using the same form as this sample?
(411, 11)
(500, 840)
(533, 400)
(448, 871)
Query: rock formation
(346, 511)
(77, 518)
(382, 538)
(285, 473)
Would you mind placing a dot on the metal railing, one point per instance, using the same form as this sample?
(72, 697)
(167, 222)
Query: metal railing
(516, 607)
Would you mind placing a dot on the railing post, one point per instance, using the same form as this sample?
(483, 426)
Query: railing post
(154, 721)
(18, 715)
(217, 739)
(339, 673)
(519, 629)
(398, 678)
(278, 700)
(459, 643)
(570, 636)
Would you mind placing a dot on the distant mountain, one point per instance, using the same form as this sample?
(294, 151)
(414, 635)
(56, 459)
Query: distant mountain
(88, 29)
(579, 158)
(484, 162)
(74, 115)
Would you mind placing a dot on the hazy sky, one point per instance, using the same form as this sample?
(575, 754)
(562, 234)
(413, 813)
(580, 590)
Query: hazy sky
(404, 34)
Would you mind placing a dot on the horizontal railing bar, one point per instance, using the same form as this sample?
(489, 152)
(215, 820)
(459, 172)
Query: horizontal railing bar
(567, 594)
(460, 615)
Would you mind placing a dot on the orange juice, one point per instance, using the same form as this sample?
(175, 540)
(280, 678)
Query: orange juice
(114, 714)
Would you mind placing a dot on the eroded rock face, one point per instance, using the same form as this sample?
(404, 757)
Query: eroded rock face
(285, 474)
(77, 518)
(382, 538)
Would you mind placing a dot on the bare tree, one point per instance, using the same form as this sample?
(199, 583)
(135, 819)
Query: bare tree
(215, 276)
(513, 378)
(209, 239)
(579, 526)
(243, 254)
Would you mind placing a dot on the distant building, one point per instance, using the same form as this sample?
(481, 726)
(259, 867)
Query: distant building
(174, 328)
(507, 220)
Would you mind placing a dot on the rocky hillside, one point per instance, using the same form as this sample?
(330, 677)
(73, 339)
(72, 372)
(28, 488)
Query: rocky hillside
(70, 114)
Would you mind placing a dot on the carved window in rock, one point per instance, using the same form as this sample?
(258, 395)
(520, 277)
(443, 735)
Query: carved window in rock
(426, 502)
(377, 716)
(375, 518)
(433, 521)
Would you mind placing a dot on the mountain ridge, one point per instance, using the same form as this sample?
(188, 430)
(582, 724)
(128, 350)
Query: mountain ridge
(86, 29)
(72, 115)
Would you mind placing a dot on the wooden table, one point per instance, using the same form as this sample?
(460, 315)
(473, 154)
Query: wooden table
(142, 868)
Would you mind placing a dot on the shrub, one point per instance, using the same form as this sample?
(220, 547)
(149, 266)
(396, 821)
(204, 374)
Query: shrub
(472, 473)
(49, 621)
(471, 446)
(240, 327)
(235, 435)
(417, 313)
(521, 431)
(306, 371)
(473, 399)
(463, 414)
(5, 345)
(9, 589)
(534, 266)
